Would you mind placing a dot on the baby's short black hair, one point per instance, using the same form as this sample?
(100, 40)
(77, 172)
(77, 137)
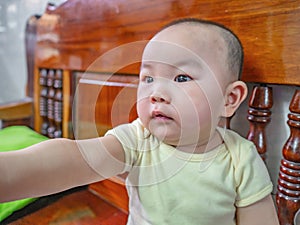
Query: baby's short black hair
(235, 56)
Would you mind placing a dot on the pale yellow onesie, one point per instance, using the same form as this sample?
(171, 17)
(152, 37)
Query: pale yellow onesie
(169, 187)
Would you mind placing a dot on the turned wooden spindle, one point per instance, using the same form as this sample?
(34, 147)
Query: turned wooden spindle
(259, 115)
(58, 103)
(43, 109)
(50, 103)
(288, 193)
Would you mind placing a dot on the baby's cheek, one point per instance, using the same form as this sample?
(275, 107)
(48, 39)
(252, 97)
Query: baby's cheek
(142, 108)
(198, 114)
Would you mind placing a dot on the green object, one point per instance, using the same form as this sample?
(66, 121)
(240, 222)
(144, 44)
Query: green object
(11, 139)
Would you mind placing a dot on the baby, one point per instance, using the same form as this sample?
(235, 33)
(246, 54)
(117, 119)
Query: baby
(182, 167)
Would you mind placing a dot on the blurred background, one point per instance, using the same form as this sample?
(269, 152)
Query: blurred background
(13, 17)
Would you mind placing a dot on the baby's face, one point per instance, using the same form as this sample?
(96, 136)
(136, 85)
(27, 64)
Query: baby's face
(182, 83)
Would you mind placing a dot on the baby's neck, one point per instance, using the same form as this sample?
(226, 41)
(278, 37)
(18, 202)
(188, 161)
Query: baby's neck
(200, 148)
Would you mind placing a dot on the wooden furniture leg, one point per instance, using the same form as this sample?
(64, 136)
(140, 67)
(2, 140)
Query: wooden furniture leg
(259, 115)
(288, 195)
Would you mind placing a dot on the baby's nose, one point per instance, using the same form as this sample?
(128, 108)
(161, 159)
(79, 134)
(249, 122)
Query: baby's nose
(159, 98)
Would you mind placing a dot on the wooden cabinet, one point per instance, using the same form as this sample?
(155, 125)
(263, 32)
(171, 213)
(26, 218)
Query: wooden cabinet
(103, 101)
(52, 108)
(83, 104)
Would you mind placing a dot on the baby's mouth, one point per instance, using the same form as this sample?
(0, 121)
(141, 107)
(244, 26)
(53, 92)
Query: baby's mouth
(160, 116)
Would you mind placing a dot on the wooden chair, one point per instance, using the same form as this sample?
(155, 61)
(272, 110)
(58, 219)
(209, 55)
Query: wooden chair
(86, 65)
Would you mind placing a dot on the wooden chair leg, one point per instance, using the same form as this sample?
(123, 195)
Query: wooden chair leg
(288, 193)
(259, 115)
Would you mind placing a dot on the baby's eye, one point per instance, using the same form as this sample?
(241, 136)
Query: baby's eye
(148, 79)
(182, 78)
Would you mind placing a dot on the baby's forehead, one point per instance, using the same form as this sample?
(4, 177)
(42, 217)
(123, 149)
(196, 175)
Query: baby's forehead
(168, 52)
(195, 33)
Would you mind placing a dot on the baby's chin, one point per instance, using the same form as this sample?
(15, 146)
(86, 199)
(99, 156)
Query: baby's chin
(164, 132)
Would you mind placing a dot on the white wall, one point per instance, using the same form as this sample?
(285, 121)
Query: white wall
(13, 17)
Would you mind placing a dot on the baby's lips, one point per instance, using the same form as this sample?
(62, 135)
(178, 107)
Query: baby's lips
(159, 114)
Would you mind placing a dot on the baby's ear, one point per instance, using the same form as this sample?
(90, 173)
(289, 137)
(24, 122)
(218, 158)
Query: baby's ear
(235, 94)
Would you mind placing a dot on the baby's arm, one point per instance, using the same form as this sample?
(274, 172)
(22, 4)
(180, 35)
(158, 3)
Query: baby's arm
(56, 165)
(260, 213)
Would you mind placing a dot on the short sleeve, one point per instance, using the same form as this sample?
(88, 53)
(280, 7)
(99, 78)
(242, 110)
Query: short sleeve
(252, 177)
(128, 135)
